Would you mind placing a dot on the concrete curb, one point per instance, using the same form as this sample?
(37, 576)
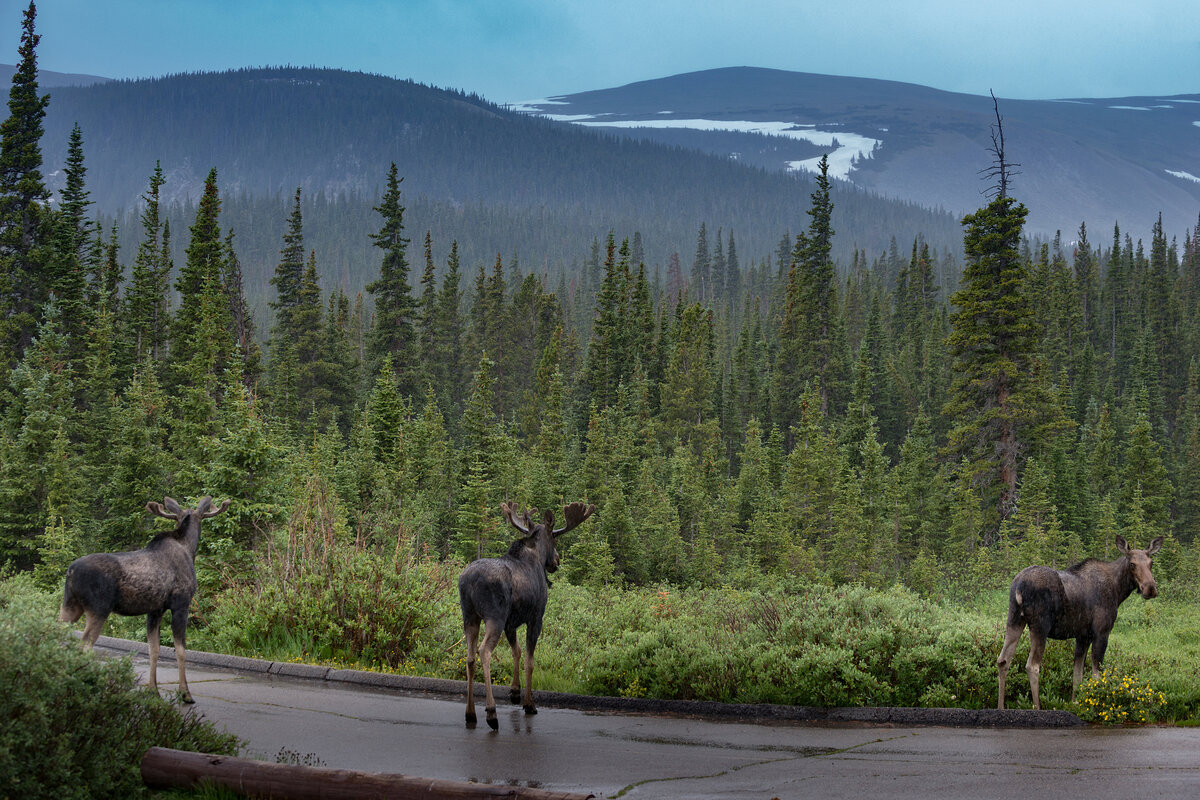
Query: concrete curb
(907, 717)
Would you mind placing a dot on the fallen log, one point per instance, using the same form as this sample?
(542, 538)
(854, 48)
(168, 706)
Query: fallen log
(163, 768)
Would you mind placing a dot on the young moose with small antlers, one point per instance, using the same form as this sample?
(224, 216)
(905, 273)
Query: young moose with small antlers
(159, 577)
(508, 592)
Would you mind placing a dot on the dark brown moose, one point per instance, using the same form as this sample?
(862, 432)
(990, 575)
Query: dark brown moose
(159, 577)
(1078, 603)
(510, 591)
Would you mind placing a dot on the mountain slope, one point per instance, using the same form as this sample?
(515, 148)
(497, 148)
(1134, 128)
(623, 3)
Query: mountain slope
(1098, 161)
(496, 180)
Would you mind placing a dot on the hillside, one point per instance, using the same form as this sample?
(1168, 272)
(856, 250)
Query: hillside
(497, 180)
(1097, 161)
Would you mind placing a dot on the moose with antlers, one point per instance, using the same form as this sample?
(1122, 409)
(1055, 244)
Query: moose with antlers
(158, 578)
(510, 591)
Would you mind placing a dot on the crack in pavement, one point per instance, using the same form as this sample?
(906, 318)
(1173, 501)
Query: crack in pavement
(814, 752)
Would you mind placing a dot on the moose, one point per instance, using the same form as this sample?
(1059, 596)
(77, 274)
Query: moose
(159, 577)
(1077, 603)
(510, 591)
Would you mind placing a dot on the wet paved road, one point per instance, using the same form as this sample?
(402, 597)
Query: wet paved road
(643, 756)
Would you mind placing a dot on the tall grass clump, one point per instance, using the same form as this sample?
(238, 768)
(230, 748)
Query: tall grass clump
(74, 725)
(317, 594)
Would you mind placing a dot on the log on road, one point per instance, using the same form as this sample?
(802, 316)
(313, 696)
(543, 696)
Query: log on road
(163, 768)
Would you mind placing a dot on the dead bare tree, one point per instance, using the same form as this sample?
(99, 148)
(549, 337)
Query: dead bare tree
(510, 591)
(1001, 169)
(159, 577)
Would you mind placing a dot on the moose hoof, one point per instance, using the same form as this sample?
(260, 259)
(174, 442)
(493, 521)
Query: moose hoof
(514, 696)
(186, 698)
(493, 723)
(471, 719)
(530, 710)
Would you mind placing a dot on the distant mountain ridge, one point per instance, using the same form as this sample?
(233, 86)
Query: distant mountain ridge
(49, 79)
(492, 179)
(1099, 161)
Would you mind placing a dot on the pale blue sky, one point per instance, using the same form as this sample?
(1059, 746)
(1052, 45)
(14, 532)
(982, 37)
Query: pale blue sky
(514, 50)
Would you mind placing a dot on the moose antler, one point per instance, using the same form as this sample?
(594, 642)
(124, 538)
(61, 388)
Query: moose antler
(168, 509)
(575, 513)
(207, 514)
(522, 522)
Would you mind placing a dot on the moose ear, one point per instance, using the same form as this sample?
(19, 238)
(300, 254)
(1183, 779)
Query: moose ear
(1122, 545)
(1155, 546)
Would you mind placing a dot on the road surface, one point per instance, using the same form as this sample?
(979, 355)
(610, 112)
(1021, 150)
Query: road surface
(339, 724)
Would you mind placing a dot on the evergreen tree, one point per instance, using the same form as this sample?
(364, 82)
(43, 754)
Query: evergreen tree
(993, 343)
(452, 386)
(477, 530)
(38, 408)
(394, 332)
(812, 342)
(701, 283)
(146, 305)
(23, 196)
(203, 321)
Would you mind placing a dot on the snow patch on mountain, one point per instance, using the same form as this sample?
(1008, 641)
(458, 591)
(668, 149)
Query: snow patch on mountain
(1187, 176)
(846, 148)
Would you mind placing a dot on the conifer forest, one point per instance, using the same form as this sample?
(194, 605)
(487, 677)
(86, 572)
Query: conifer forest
(883, 424)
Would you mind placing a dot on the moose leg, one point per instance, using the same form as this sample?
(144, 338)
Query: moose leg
(531, 637)
(179, 618)
(514, 694)
(471, 631)
(93, 625)
(1037, 648)
(1012, 635)
(1098, 648)
(153, 623)
(1081, 647)
(491, 637)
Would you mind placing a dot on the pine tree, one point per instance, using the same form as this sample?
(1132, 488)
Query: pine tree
(690, 382)
(993, 343)
(246, 467)
(812, 342)
(288, 273)
(204, 321)
(37, 410)
(140, 461)
(246, 351)
(23, 195)
(146, 307)
(477, 530)
(701, 283)
(394, 332)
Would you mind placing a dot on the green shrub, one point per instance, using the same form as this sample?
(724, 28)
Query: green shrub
(821, 647)
(75, 725)
(348, 605)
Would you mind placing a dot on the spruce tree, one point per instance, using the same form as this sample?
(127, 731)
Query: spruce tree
(146, 303)
(394, 331)
(993, 401)
(812, 343)
(204, 320)
(23, 196)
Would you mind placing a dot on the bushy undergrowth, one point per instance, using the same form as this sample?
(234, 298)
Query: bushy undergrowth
(319, 595)
(73, 725)
(822, 646)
